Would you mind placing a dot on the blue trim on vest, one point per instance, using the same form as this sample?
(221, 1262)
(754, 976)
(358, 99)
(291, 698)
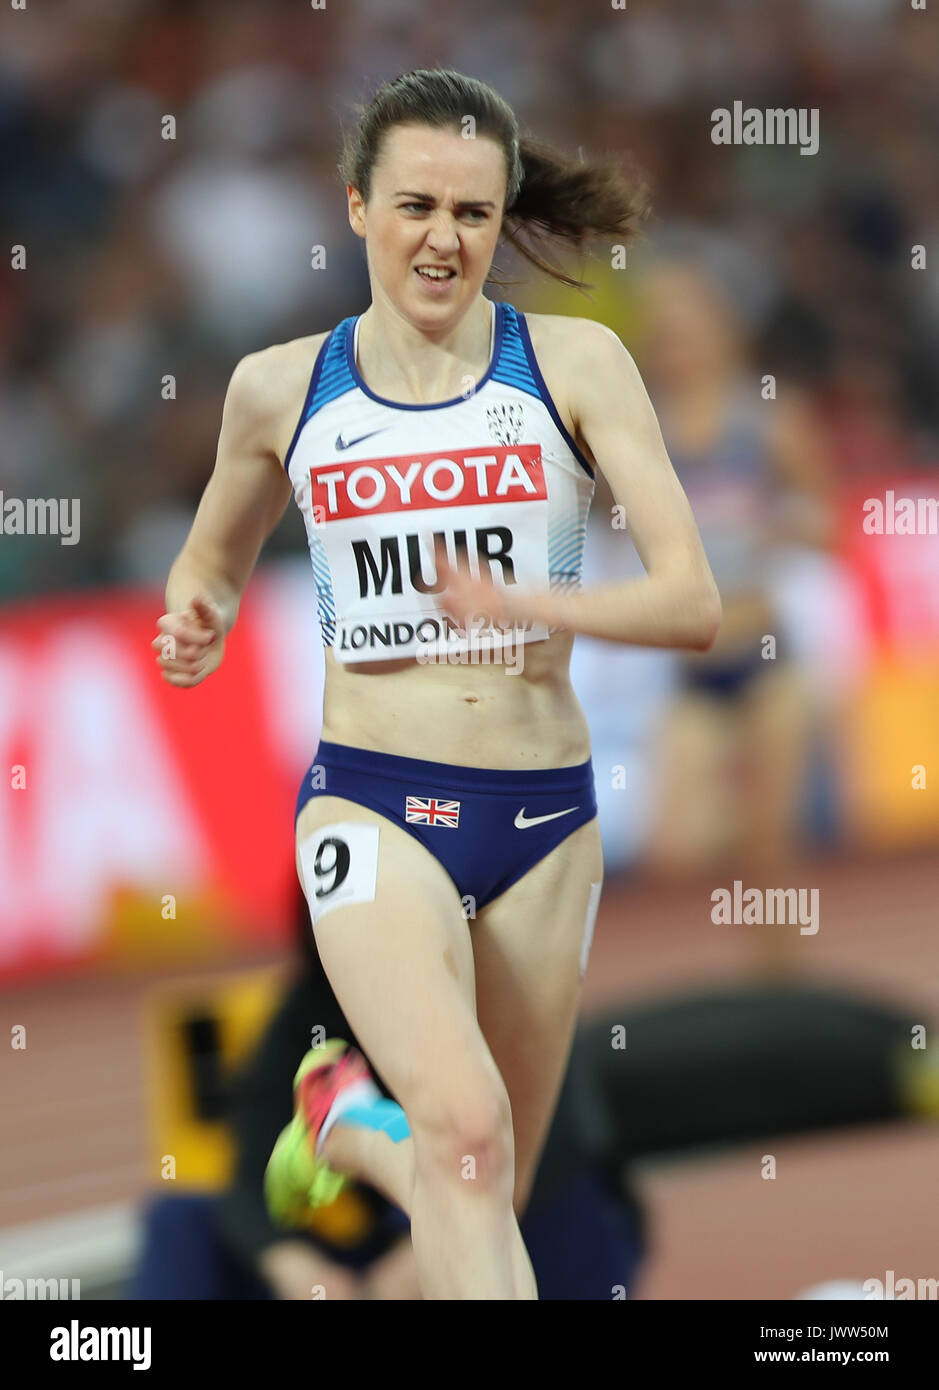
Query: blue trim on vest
(545, 395)
(335, 379)
(513, 368)
(308, 406)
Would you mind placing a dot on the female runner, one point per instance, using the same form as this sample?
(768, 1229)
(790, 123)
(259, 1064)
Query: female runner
(442, 449)
(756, 475)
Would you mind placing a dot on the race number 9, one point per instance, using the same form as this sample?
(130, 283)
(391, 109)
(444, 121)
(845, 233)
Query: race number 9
(331, 865)
(339, 865)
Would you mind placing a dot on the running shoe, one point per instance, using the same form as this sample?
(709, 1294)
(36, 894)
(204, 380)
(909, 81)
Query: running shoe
(297, 1178)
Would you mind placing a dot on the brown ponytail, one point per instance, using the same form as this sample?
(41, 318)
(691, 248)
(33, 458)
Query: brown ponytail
(573, 201)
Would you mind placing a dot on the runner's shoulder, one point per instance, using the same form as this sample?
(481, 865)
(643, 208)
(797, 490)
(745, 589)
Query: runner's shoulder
(580, 359)
(270, 381)
(568, 334)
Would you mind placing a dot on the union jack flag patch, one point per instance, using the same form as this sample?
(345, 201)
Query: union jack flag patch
(428, 810)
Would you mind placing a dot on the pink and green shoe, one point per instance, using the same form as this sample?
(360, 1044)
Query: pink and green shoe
(297, 1178)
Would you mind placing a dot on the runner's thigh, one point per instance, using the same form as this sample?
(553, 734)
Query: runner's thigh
(529, 946)
(399, 958)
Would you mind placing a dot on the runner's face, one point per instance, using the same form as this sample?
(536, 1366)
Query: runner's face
(436, 199)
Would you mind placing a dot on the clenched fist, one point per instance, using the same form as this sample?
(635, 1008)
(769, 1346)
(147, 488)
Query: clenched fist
(191, 644)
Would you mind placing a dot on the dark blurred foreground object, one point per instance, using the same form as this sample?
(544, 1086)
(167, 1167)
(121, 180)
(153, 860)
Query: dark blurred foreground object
(729, 1067)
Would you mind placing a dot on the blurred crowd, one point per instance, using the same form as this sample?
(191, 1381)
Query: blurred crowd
(168, 167)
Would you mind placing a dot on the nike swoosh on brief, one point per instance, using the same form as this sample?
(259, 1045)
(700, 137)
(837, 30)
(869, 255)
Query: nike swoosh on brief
(348, 443)
(522, 824)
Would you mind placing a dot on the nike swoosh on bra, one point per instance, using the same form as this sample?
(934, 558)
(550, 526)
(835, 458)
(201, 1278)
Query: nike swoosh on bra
(348, 443)
(522, 824)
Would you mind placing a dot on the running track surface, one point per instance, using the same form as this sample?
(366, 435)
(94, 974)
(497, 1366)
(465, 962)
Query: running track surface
(845, 1204)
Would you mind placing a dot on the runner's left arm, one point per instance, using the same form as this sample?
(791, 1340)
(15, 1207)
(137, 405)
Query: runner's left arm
(676, 603)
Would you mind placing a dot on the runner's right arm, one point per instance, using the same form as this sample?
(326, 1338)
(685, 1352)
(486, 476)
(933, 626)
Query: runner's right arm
(244, 500)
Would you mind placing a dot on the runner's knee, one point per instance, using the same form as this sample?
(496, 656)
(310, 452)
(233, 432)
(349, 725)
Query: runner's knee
(465, 1131)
